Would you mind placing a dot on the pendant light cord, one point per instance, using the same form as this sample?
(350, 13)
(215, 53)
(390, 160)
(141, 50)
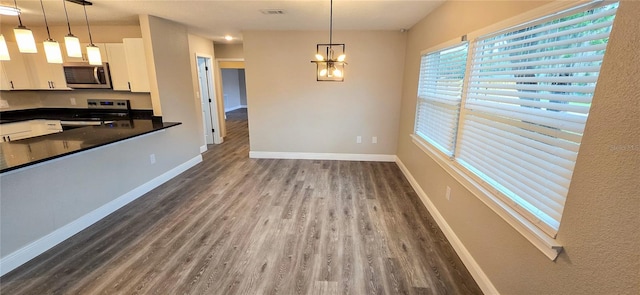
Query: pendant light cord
(331, 24)
(64, 3)
(45, 20)
(19, 18)
(84, 6)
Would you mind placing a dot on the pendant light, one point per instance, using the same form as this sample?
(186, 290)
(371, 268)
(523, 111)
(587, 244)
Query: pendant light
(330, 57)
(24, 37)
(51, 47)
(93, 52)
(8, 10)
(4, 51)
(71, 42)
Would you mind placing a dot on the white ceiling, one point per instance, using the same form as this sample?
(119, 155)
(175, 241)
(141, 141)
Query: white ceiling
(216, 18)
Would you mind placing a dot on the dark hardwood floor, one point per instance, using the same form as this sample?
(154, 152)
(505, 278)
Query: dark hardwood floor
(234, 225)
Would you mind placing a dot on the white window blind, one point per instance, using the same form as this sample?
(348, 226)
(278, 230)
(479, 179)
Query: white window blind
(527, 101)
(439, 94)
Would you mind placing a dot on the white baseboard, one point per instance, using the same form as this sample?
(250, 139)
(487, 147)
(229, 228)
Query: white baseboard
(242, 106)
(203, 148)
(323, 156)
(481, 278)
(28, 252)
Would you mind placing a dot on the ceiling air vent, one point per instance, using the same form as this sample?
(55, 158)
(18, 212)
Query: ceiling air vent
(272, 11)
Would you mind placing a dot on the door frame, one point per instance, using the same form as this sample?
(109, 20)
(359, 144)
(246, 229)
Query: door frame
(213, 105)
(219, 91)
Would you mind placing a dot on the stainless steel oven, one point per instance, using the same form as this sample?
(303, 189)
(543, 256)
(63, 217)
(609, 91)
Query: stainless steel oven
(84, 75)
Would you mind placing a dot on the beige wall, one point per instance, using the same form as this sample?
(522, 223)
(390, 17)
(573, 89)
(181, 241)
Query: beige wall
(173, 86)
(289, 111)
(61, 99)
(599, 228)
(229, 51)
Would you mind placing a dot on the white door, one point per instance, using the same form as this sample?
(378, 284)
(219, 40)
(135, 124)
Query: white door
(204, 78)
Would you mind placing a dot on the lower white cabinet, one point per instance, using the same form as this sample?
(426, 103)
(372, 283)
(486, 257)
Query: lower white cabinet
(28, 129)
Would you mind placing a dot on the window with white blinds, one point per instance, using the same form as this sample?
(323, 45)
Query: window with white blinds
(528, 98)
(439, 95)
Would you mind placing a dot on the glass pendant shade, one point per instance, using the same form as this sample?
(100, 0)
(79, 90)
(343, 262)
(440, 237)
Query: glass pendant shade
(4, 51)
(25, 40)
(52, 51)
(8, 10)
(72, 44)
(93, 53)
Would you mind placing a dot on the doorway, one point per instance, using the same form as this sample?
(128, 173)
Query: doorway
(231, 91)
(209, 114)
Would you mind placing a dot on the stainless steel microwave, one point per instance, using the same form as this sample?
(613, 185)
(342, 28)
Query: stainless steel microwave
(84, 75)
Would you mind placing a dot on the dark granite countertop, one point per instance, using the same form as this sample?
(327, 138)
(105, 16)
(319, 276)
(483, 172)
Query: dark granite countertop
(30, 151)
(67, 114)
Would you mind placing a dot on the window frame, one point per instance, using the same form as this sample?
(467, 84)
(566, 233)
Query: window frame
(494, 199)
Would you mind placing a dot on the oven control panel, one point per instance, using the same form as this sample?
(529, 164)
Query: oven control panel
(111, 104)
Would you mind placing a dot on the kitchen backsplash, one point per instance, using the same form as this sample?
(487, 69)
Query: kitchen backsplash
(20, 100)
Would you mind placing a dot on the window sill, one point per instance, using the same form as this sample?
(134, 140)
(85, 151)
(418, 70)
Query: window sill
(547, 245)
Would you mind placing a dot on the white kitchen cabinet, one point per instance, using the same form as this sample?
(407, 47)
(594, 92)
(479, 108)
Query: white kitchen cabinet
(136, 64)
(28, 129)
(44, 127)
(44, 75)
(17, 77)
(118, 66)
(5, 84)
(31, 71)
(15, 131)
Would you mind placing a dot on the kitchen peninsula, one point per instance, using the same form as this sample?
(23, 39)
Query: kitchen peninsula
(30, 151)
(104, 122)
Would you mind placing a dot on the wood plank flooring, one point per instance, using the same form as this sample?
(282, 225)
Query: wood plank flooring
(234, 225)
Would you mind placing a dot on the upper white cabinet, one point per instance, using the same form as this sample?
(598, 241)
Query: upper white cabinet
(31, 71)
(16, 77)
(118, 66)
(42, 74)
(136, 64)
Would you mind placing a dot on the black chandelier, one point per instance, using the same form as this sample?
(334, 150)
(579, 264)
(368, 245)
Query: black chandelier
(330, 57)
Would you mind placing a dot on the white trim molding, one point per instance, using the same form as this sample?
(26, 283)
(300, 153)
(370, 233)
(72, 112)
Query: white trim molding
(322, 156)
(474, 268)
(203, 148)
(547, 245)
(30, 251)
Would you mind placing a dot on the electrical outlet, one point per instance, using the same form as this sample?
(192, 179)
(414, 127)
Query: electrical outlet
(448, 193)
(358, 139)
(152, 158)
(72, 100)
(374, 139)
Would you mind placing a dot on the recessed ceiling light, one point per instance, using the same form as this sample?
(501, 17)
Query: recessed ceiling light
(228, 38)
(8, 10)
